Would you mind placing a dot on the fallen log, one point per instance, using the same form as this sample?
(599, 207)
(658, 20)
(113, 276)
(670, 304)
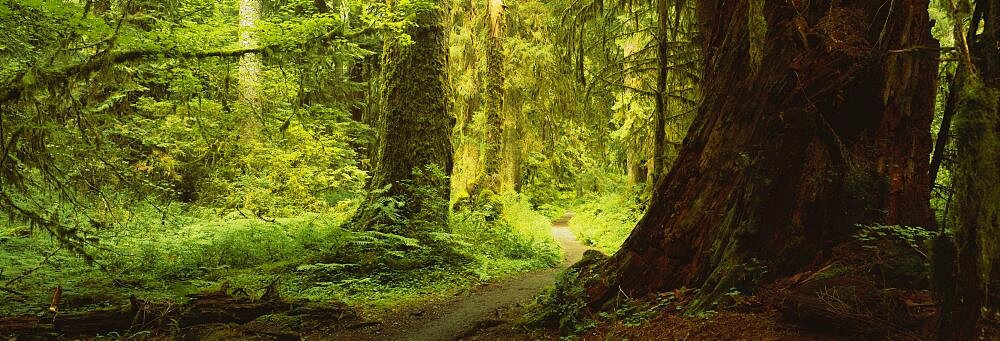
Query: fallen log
(202, 309)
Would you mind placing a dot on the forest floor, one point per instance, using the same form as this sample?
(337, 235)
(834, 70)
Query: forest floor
(491, 311)
(483, 311)
(494, 305)
(495, 310)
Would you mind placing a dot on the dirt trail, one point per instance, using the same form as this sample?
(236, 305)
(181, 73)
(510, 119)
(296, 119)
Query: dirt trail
(481, 306)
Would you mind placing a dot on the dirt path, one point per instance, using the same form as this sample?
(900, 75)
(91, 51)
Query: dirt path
(481, 306)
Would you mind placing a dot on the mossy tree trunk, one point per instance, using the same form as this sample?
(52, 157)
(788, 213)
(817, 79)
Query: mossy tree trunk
(414, 151)
(250, 67)
(512, 148)
(816, 117)
(496, 149)
(967, 269)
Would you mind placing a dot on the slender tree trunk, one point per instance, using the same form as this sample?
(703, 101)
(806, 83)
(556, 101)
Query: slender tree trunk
(944, 133)
(658, 156)
(473, 101)
(250, 67)
(468, 96)
(787, 155)
(510, 169)
(495, 122)
(414, 155)
(636, 170)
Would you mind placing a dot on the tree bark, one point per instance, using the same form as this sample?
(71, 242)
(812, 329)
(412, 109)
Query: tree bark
(969, 267)
(496, 135)
(635, 171)
(944, 133)
(414, 152)
(250, 66)
(511, 149)
(831, 130)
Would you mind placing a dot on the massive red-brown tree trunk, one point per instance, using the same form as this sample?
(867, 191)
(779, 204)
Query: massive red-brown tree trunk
(827, 128)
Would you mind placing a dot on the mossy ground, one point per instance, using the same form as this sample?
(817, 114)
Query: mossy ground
(309, 257)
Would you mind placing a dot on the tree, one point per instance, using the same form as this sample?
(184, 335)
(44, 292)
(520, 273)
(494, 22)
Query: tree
(495, 132)
(249, 75)
(662, 72)
(640, 69)
(670, 59)
(414, 151)
(967, 265)
(634, 153)
(137, 108)
(815, 118)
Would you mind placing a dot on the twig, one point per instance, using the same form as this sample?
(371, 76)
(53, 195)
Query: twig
(623, 293)
(921, 253)
(915, 49)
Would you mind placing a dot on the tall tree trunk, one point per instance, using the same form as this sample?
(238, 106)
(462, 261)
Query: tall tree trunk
(637, 165)
(495, 121)
(967, 269)
(659, 115)
(414, 153)
(634, 170)
(944, 133)
(966, 295)
(787, 155)
(250, 67)
(510, 169)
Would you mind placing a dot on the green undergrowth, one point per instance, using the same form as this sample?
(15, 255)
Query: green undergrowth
(506, 239)
(164, 256)
(603, 221)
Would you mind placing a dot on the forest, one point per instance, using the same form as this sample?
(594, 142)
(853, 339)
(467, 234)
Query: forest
(499, 170)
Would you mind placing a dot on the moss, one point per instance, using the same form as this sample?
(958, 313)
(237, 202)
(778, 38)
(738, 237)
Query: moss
(835, 270)
(978, 197)
(757, 26)
(566, 305)
(967, 267)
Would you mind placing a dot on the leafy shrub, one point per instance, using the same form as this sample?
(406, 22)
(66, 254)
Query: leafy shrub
(519, 240)
(916, 237)
(305, 167)
(165, 252)
(604, 221)
(187, 251)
